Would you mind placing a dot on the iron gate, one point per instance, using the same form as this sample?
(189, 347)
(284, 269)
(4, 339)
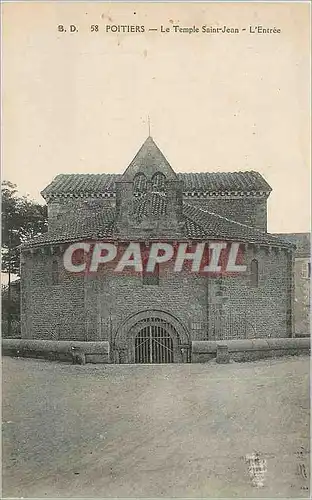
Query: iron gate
(153, 344)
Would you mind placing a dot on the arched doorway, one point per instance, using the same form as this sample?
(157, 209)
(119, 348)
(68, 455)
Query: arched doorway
(149, 337)
(153, 343)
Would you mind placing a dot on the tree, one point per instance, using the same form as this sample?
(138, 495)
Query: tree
(22, 219)
(11, 308)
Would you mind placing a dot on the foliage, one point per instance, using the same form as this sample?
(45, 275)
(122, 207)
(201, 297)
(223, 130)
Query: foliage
(22, 219)
(11, 309)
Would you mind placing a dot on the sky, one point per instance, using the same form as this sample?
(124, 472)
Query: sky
(79, 102)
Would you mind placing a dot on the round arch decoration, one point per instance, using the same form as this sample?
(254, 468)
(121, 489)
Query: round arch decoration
(158, 181)
(140, 182)
(126, 333)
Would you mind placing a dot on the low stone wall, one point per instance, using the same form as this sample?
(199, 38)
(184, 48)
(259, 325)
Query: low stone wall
(249, 350)
(95, 352)
(202, 351)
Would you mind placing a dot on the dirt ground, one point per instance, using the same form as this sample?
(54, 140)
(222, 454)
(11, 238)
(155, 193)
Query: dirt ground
(155, 431)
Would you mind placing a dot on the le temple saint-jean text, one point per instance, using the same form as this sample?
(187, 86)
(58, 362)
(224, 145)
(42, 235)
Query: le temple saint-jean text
(172, 28)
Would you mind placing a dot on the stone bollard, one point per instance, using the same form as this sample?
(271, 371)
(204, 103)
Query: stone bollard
(78, 357)
(223, 354)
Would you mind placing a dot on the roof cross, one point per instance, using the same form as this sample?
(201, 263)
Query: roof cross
(149, 126)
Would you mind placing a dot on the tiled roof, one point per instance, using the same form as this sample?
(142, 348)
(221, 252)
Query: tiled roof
(78, 225)
(205, 182)
(199, 224)
(80, 184)
(224, 182)
(153, 203)
(208, 225)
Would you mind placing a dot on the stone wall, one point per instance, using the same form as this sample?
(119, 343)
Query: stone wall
(302, 280)
(250, 350)
(251, 211)
(94, 352)
(48, 310)
(302, 296)
(60, 208)
(93, 307)
(237, 309)
(201, 351)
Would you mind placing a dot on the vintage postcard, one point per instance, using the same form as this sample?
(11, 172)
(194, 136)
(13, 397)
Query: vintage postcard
(155, 249)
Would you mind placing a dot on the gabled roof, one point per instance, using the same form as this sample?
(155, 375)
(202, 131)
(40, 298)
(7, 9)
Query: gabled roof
(225, 182)
(209, 225)
(204, 184)
(76, 226)
(149, 160)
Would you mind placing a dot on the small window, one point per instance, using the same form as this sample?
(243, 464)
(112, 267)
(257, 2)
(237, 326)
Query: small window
(139, 183)
(151, 278)
(55, 273)
(158, 182)
(254, 273)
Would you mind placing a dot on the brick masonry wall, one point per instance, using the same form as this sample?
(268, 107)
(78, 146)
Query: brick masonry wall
(90, 307)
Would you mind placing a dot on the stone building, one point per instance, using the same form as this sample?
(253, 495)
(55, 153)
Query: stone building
(302, 281)
(153, 317)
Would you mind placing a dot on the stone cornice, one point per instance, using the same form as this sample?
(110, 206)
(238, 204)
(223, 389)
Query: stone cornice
(186, 194)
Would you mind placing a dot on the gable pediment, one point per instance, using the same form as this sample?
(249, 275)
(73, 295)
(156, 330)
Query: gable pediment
(149, 161)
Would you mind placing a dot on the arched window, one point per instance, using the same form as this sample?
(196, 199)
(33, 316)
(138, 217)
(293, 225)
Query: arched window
(254, 273)
(158, 182)
(139, 183)
(55, 273)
